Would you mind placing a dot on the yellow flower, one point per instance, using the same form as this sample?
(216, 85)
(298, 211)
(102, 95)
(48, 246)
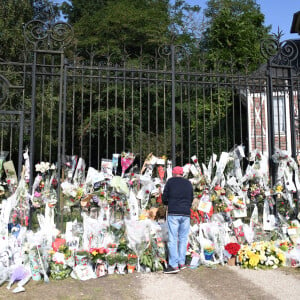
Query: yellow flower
(142, 217)
(254, 260)
(281, 257)
(94, 252)
(279, 188)
(231, 197)
(250, 254)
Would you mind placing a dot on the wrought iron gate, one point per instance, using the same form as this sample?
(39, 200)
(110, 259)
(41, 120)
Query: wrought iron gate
(169, 105)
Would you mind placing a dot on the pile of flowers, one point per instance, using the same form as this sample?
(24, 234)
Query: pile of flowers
(261, 255)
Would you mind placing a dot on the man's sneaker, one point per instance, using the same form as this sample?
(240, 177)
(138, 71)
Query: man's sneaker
(182, 267)
(171, 270)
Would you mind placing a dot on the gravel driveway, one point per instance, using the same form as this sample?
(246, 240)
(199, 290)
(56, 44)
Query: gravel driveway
(222, 282)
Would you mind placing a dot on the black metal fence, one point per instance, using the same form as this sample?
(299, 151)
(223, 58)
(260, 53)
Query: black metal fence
(170, 104)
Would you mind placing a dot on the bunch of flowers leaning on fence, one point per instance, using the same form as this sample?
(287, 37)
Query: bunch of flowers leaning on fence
(115, 223)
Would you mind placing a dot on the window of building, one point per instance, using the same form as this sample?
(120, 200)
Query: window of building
(279, 114)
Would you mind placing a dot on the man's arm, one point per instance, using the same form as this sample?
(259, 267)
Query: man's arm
(165, 195)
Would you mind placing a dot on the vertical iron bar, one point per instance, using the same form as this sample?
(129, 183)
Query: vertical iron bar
(32, 120)
(132, 111)
(64, 123)
(204, 119)
(219, 113)
(165, 122)
(21, 130)
(99, 118)
(42, 109)
(60, 203)
(82, 111)
(140, 116)
(116, 111)
(148, 110)
(196, 118)
(189, 113)
(293, 128)
(91, 110)
(124, 108)
(73, 108)
(173, 107)
(270, 122)
(181, 120)
(107, 107)
(156, 108)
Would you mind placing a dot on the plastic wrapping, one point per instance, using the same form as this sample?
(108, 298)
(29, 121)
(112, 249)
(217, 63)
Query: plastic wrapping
(138, 235)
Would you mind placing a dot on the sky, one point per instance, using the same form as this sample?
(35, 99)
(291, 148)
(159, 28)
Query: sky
(278, 13)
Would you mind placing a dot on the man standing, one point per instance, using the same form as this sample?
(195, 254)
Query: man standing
(178, 195)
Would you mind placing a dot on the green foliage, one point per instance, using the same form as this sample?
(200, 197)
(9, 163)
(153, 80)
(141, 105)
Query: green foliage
(14, 14)
(136, 26)
(234, 32)
(111, 259)
(121, 258)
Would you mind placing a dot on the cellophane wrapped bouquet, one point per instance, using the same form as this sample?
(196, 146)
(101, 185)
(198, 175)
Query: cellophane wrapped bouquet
(261, 255)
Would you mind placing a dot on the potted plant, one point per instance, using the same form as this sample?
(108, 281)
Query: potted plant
(81, 257)
(112, 248)
(111, 263)
(121, 260)
(97, 255)
(131, 262)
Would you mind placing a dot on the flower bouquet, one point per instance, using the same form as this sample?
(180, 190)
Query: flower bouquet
(285, 246)
(98, 254)
(126, 161)
(209, 251)
(232, 249)
(261, 255)
(60, 263)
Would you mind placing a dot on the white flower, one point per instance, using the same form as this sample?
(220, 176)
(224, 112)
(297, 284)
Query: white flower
(38, 167)
(272, 257)
(59, 257)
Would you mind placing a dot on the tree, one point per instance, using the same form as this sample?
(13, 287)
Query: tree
(235, 29)
(13, 15)
(45, 10)
(136, 26)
